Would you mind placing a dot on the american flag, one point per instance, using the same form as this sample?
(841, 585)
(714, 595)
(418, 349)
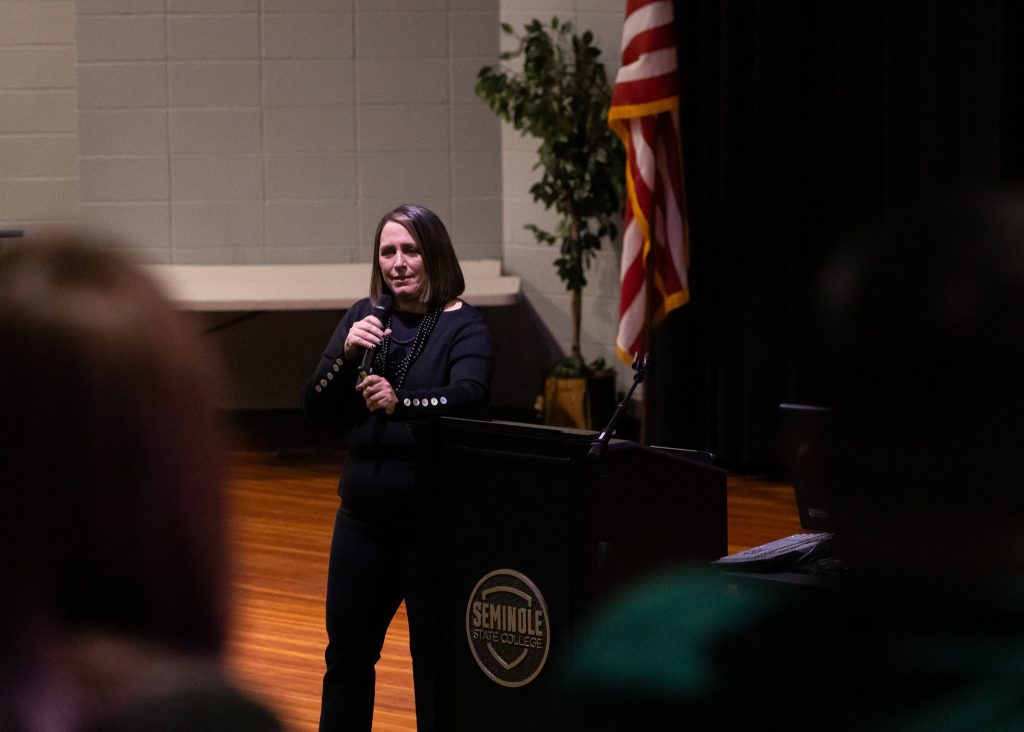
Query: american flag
(645, 113)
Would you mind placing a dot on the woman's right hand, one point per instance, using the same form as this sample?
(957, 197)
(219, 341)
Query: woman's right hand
(365, 333)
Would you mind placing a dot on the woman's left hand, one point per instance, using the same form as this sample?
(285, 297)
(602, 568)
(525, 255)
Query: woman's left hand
(377, 393)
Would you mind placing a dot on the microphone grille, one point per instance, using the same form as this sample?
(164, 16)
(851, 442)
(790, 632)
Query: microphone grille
(383, 302)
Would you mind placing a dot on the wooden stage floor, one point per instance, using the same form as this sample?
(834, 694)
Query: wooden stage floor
(282, 512)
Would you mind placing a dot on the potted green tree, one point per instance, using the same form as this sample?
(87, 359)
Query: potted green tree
(560, 95)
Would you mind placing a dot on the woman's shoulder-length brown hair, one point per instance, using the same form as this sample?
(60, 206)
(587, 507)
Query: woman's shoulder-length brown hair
(445, 280)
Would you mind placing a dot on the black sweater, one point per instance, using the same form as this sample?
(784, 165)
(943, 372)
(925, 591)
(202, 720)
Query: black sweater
(451, 377)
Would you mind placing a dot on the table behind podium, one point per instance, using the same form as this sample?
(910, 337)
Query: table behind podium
(527, 534)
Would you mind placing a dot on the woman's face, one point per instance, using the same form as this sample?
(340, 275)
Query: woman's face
(401, 264)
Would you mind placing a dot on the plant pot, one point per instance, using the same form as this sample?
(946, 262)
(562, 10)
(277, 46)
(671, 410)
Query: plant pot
(584, 402)
(565, 402)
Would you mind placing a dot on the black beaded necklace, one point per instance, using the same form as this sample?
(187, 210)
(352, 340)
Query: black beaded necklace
(395, 372)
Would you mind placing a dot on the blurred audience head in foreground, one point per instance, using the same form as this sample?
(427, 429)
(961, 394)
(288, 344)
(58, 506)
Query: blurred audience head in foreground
(924, 320)
(113, 529)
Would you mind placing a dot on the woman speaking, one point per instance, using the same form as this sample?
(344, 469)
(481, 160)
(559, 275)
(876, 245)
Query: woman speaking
(412, 349)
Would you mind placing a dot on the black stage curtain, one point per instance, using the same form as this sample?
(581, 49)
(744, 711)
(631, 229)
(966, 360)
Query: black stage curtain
(801, 121)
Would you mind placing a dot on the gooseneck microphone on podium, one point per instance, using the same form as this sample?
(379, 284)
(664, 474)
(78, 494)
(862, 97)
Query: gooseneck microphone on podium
(600, 443)
(381, 310)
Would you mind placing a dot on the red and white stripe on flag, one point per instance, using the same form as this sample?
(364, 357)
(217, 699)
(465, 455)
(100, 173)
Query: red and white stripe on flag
(645, 113)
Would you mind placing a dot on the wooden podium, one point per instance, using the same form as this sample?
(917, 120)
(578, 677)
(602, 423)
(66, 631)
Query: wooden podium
(528, 533)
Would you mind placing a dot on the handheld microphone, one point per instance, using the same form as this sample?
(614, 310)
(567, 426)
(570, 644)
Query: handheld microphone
(381, 310)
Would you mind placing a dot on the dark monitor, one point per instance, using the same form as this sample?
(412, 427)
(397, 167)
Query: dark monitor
(804, 427)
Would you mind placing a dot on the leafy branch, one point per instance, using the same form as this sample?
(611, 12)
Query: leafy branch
(560, 95)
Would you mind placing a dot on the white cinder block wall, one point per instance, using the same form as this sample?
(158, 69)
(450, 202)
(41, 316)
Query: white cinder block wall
(38, 131)
(221, 131)
(263, 131)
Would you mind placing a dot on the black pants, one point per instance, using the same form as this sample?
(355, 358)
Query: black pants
(371, 571)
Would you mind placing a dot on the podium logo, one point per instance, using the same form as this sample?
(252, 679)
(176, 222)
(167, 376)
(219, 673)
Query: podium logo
(507, 627)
